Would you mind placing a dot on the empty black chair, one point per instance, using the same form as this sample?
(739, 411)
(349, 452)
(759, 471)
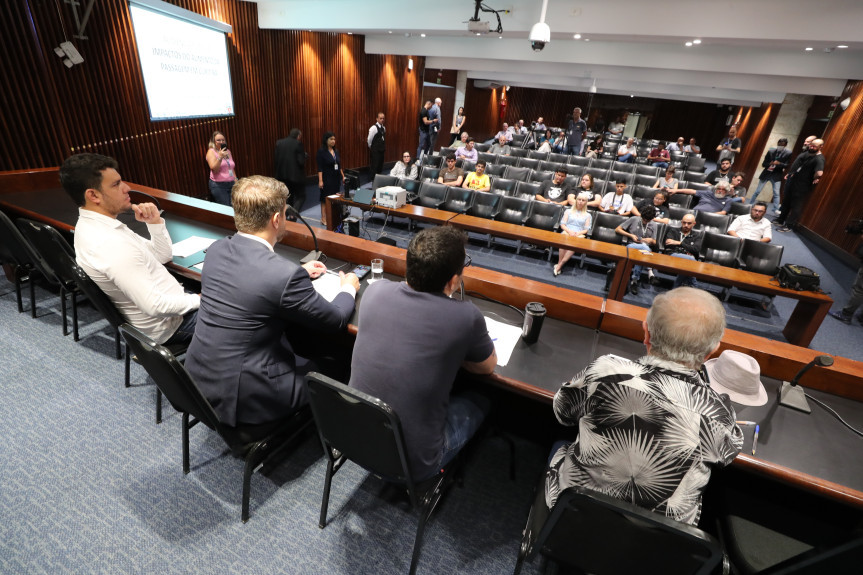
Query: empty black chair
(680, 201)
(602, 187)
(559, 158)
(739, 209)
(485, 205)
(541, 156)
(526, 190)
(639, 193)
(531, 163)
(518, 174)
(623, 167)
(487, 158)
(495, 169)
(597, 173)
(601, 163)
(433, 161)
(482, 147)
(432, 195)
(254, 443)
(513, 210)
(694, 177)
(603, 228)
(507, 160)
(695, 164)
(616, 176)
(518, 152)
(573, 181)
(429, 174)
(412, 187)
(355, 426)
(609, 150)
(383, 180)
(26, 263)
(578, 161)
(52, 248)
(720, 249)
(543, 216)
(697, 186)
(578, 530)
(710, 222)
(552, 166)
(645, 180)
(760, 257)
(678, 159)
(458, 200)
(541, 175)
(503, 184)
(467, 166)
(517, 140)
(647, 171)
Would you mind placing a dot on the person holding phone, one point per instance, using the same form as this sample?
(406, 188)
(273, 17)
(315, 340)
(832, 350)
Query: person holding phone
(223, 169)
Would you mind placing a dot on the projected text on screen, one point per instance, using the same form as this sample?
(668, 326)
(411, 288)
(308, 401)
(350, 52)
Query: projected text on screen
(185, 66)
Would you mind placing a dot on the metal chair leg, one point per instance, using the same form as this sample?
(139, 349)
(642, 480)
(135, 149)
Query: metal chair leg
(128, 367)
(32, 297)
(158, 406)
(63, 311)
(75, 335)
(325, 500)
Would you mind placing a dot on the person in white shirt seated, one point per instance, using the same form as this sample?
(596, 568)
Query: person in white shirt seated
(506, 132)
(128, 268)
(404, 168)
(754, 226)
(627, 152)
(617, 202)
(522, 129)
(461, 142)
(616, 127)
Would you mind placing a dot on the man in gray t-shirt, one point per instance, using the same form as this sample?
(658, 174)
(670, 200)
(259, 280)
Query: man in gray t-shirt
(412, 340)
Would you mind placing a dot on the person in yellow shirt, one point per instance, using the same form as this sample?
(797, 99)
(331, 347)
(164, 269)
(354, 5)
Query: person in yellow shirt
(478, 180)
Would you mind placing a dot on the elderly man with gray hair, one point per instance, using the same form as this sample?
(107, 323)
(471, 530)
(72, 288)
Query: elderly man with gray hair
(650, 430)
(714, 200)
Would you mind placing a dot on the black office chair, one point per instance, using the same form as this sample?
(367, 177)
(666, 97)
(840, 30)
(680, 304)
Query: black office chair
(432, 160)
(383, 180)
(760, 257)
(17, 252)
(642, 192)
(711, 222)
(623, 167)
(694, 177)
(596, 533)
(615, 176)
(495, 169)
(519, 152)
(487, 158)
(601, 164)
(541, 175)
(720, 249)
(644, 180)
(739, 209)
(526, 190)
(482, 147)
(517, 174)
(597, 173)
(531, 163)
(485, 205)
(255, 444)
(695, 164)
(51, 247)
(432, 195)
(680, 201)
(429, 174)
(652, 171)
(543, 216)
(507, 160)
(467, 167)
(458, 200)
(564, 159)
(412, 187)
(355, 426)
(541, 156)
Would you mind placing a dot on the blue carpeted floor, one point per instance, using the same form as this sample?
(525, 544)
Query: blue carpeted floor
(90, 484)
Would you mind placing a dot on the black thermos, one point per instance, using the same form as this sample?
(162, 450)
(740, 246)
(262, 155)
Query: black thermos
(534, 313)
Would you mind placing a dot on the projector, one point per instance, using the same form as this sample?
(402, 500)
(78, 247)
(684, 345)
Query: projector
(391, 197)
(478, 27)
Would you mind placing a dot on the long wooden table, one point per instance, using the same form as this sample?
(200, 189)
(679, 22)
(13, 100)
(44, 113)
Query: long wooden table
(806, 451)
(802, 325)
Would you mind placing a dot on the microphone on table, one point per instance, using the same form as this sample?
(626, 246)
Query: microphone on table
(792, 395)
(316, 254)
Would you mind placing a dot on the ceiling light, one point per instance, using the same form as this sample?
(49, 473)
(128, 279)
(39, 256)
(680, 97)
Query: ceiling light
(841, 46)
(350, 33)
(809, 48)
(688, 44)
(577, 36)
(389, 32)
(422, 35)
(696, 41)
(632, 95)
(587, 39)
(500, 37)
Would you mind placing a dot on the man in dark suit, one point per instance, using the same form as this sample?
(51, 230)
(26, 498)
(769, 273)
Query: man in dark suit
(253, 304)
(291, 168)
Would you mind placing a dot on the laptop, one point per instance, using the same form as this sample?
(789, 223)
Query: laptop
(364, 196)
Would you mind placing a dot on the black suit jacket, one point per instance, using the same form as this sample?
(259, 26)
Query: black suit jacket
(774, 154)
(252, 301)
(290, 160)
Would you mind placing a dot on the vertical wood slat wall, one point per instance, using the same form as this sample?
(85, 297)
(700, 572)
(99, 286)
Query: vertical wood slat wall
(838, 197)
(281, 80)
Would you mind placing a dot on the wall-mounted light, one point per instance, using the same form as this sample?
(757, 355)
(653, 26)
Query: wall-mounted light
(69, 53)
(410, 63)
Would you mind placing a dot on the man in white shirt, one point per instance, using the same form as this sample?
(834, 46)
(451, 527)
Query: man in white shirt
(127, 267)
(626, 152)
(753, 226)
(617, 202)
(505, 132)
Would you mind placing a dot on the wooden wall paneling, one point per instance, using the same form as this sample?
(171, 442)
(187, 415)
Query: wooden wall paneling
(836, 199)
(754, 129)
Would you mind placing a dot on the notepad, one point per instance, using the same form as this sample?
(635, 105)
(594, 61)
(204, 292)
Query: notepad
(191, 245)
(328, 285)
(504, 336)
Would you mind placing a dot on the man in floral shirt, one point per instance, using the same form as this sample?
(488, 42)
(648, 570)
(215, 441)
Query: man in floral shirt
(650, 430)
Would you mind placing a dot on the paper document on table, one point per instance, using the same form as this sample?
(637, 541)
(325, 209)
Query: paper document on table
(328, 285)
(190, 246)
(199, 267)
(504, 336)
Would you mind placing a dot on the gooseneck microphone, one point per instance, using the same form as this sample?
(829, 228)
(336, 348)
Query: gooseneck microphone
(792, 395)
(316, 254)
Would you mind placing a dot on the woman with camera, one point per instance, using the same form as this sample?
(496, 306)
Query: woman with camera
(223, 169)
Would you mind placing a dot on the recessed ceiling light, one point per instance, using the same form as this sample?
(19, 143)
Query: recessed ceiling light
(841, 46)
(577, 36)
(478, 34)
(688, 44)
(422, 35)
(696, 41)
(350, 33)
(500, 37)
(587, 39)
(809, 48)
(632, 95)
(389, 32)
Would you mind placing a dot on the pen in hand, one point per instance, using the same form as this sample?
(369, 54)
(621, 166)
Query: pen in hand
(755, 439)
